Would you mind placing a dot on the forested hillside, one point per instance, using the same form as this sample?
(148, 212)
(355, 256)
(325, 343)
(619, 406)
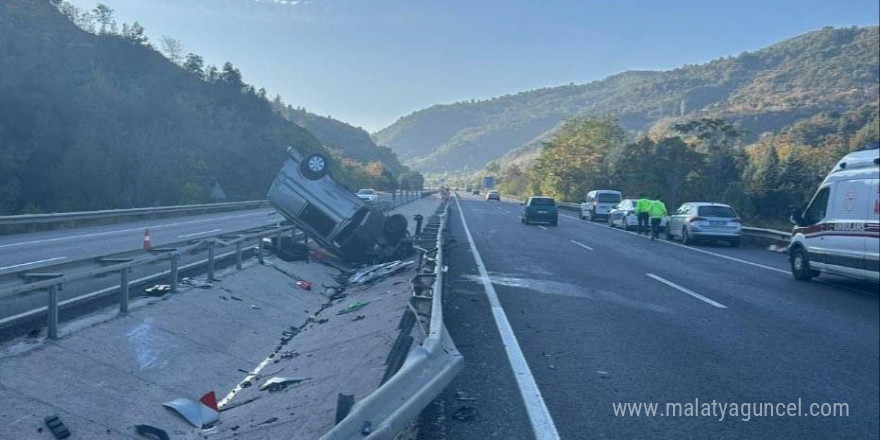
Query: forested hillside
(92, 116)
(827, 72)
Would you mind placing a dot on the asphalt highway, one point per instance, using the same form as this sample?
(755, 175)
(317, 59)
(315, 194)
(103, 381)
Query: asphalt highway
(600, 317)
(32, 250)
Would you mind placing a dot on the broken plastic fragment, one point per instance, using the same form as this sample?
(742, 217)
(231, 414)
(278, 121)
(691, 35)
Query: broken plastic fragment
(304, 285)
(353, 307)
(372, 273)
(196, 413)
(278, 383)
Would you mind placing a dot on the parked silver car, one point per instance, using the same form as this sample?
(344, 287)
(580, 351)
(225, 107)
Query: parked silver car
(304, 193)
(701, 221)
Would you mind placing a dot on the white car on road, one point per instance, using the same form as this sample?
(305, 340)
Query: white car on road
(624, 216)
(368, 195)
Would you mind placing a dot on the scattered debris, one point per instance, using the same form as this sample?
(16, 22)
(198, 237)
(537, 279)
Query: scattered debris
(224, 298)
(267, 421)
(242, 370)
(279, 383)
(196, 283)
(210, 400)
(777, 248)
(368, 428)
(304, 285)
(196, 413)
(235, 298)
(358, 317)
(57, 427)
(236, 405)
(465, 414)
(378, 271)
(34, 333)
(460, 395)
(353, 307)
(158, 290)
(322, 321)
(151, 431)
(255, 307)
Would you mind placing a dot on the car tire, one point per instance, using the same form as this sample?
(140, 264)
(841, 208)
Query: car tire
(800, 265)
(685, 237)
(314, 166)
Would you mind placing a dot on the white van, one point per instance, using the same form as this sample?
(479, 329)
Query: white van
(598, 203)
(839, 232)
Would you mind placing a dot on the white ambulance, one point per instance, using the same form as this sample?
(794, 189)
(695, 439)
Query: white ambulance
(839, 232)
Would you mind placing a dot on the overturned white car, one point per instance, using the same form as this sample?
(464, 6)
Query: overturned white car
(333, 216)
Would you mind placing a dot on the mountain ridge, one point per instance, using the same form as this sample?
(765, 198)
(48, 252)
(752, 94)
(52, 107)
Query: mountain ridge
(763, 90)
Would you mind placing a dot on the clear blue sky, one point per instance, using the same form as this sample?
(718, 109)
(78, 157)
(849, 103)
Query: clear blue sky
(368, 62)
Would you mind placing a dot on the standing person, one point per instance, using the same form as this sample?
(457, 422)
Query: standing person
(643, 204)
(657, 211)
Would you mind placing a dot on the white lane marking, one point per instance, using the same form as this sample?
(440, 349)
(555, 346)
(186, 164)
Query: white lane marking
(703, 251)
(539, 416)
(582, 245)
(98, 234)
(687, 291)
(543, 227)
(32, 262)
(199, 233)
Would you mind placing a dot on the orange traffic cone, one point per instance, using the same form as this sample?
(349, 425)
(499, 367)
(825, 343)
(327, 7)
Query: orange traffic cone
(147, 244)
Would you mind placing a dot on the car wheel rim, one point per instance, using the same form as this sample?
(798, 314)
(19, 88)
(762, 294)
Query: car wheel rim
(798, 263)
(316, 164)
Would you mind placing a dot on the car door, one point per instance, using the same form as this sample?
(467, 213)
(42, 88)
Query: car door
(845, 240)
(872, 229)
(676, 220)
(814, 225)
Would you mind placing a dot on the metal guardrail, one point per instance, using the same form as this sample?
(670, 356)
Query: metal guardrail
(51, 278)
(767, 234)
(428, 368)
(58, 217)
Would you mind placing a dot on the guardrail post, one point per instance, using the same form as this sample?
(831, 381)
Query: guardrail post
(175, 262)
(123, 290)
(238, 255)
(53, 312)
(211, 262)
(260, 249)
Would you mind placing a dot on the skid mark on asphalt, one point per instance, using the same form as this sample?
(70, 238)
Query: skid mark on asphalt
(566, 289)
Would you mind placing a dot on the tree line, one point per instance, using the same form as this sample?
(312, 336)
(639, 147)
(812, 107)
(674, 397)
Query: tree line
(698, 160)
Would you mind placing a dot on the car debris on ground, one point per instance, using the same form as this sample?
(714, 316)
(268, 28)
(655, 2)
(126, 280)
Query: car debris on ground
(353, 307)
(377, 272)
(196, 413)
(279, 383)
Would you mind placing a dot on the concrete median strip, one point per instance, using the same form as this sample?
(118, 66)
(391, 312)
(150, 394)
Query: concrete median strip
(687, 291)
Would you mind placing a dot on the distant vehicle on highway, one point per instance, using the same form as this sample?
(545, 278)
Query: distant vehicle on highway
(839, 231)
(624, 216)
(598, 203)
(702, 221)
(540, 209)
(475, 192)
(493, 195)
(367, 195)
